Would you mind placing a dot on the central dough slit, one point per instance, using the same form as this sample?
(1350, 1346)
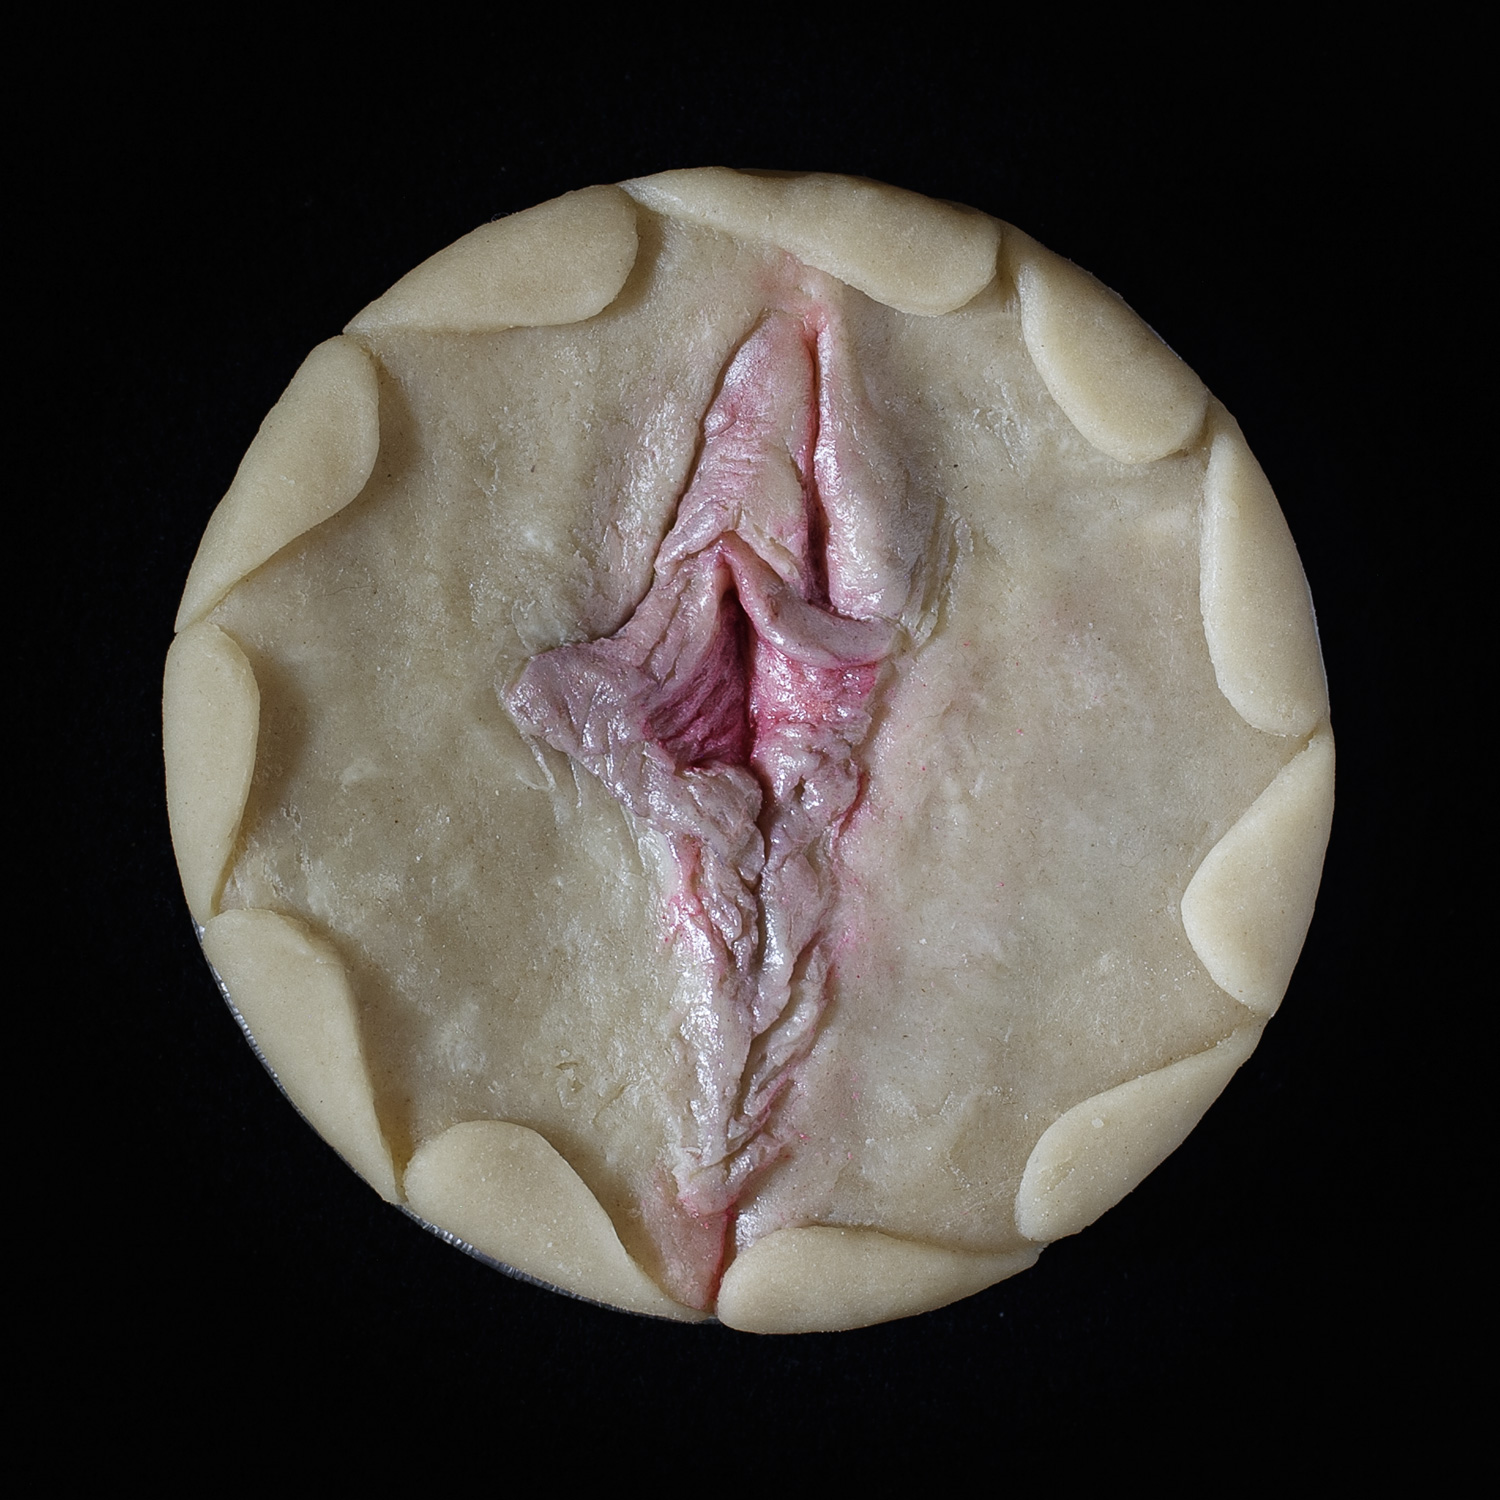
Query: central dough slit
(727, 715)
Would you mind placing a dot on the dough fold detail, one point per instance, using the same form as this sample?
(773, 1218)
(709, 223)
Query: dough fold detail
(311, 457)
(560, 262)
(1257, 611)
(210, 727)
(503, 1190)
(1118, 383)
(1247, 909)
(908, 252)
(824, 1279)
(293, 995)
(726, 716)
(1105, 1147)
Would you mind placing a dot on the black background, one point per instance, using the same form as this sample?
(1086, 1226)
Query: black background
(1263, 199)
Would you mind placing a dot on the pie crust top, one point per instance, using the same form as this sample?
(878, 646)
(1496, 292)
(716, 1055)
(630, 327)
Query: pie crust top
(750, 745)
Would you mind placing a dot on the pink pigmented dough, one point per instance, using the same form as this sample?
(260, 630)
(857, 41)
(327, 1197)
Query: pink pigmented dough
(726, 714)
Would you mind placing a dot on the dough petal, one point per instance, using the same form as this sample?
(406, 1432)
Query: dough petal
(1257, 611)
(210, 717)
(821, 1279)
(311, 457)
(1105, 1147)
(1119, 384)
(559, 262)
(503, 1189)
(294, 998)
(908, 252)
(1247, 909)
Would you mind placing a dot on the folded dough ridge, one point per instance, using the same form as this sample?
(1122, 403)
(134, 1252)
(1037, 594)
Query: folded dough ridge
(311, 457)
(906, 251)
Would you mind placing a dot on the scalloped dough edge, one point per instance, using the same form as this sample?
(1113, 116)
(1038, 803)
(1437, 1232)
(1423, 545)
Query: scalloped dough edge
(1125, 392)
(1247, 909)
(504, 1191)
(821, 1279)
(560, 262)
(1105, 1147)
(311, 457)
(1257, 610)
(292, 995)
(1128, 394)
(909, 252)
(210, 726)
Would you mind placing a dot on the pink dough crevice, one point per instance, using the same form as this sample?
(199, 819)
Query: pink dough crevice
(728, 714)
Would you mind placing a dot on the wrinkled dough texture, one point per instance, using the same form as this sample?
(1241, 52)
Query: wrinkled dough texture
(1044, 775)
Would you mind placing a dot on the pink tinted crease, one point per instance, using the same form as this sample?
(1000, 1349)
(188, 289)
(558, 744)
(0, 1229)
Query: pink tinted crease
(728, 715)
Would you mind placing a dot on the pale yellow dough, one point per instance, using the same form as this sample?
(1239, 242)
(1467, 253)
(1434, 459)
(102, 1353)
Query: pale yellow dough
(1097, 794)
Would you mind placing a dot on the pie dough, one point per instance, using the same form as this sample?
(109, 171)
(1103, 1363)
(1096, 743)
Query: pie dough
(750, 745)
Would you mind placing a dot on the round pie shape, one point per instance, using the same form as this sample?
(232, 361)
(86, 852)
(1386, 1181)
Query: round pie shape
(750, 746)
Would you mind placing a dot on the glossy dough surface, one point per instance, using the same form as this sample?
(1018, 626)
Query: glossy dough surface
(1010, 1022)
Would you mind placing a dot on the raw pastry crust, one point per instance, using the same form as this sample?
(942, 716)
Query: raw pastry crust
(1095, 792)
(311, 457)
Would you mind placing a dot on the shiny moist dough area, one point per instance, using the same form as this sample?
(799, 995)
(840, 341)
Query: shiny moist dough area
(1046, 773)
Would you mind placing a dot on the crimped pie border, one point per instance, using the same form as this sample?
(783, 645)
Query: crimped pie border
(499, 1188)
